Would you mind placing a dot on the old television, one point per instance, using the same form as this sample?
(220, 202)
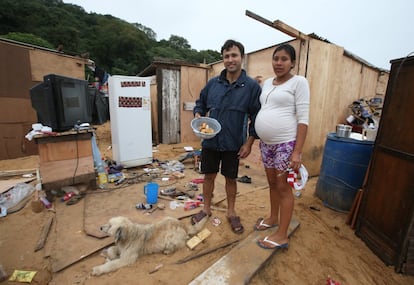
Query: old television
(61, 102)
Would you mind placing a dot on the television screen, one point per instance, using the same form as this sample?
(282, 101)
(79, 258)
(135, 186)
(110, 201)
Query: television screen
(61, 102)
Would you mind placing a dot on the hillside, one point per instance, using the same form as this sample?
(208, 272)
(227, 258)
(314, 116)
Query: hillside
(113, 44)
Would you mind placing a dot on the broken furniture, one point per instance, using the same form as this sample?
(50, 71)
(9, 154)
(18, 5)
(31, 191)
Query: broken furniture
(66, 158)
(386, 217)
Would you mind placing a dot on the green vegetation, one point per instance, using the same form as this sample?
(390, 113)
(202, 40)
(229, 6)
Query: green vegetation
(115, 45)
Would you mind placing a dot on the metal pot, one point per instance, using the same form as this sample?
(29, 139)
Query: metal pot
(343, 131)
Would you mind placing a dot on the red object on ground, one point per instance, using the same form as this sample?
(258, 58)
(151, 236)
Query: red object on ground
(330, 281)
(68, 196)
(198, 180)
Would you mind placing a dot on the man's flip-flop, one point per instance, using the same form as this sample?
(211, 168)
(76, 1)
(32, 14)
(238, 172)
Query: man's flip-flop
(235, 224)
(262, 226)
(196, 218)
(275, 244)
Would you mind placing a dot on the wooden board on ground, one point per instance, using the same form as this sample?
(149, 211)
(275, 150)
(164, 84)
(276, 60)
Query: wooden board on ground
(102, 206)
(241, 263)
(71, 244)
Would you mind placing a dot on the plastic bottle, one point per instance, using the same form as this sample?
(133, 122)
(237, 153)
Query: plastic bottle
(191, 205)
(102, 175)
(68, 196)
(45, 202)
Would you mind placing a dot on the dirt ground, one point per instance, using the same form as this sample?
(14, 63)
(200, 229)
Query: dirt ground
(324, 245)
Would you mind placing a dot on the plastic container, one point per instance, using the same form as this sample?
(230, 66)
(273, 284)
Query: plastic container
(151, 192)
(343, 131)
(102, 175)
(45, 202)
(344, 164)
(213, 124)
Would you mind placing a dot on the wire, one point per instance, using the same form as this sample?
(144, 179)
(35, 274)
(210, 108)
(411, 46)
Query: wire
(77, 157)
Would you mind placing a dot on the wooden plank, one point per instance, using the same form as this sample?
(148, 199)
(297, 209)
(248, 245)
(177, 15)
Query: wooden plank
(242, 262)
(43, 234)
(55, 171)
(194, 256)
(64, 150)
(72, 245)
(279, 25)
(6, 185)
(8, 173)
(102, 206)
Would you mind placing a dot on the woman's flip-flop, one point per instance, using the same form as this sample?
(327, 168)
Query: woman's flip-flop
(275, 244)
(261, 226)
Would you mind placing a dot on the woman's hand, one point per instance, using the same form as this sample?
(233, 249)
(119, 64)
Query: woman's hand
(296, 160)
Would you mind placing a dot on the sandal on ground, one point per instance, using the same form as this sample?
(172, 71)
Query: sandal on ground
(74, 199)
(261, 226)
(168, 191)
(196, 218)
(245, 179)
(274, 244)
(235, 224)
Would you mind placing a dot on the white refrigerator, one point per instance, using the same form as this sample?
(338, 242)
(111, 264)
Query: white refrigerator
(130, 117)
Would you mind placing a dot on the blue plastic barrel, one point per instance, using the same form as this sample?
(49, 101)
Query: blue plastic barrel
(344, 164)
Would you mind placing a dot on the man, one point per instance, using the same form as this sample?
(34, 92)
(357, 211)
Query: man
(232, 98)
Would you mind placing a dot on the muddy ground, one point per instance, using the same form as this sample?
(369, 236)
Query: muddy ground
(324, 245)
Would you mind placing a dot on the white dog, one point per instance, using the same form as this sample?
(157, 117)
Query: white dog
(134, 240)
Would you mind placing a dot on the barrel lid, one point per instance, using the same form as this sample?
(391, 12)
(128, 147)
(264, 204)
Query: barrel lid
(333, 136)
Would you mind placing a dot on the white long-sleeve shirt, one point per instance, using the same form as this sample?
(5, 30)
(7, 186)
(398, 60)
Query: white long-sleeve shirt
(283, 107)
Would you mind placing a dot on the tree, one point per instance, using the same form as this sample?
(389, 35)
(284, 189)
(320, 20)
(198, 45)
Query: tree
(113, 44)
(179, 42)
(28, 39)
(148, 31)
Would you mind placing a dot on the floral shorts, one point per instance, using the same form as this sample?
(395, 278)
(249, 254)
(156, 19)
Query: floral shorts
(277, 156)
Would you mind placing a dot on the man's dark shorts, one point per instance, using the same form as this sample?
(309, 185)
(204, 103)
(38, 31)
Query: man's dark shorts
(210, 162)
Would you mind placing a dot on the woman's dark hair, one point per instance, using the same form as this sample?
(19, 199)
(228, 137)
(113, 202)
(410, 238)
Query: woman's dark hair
(231, 43)
(289, 49)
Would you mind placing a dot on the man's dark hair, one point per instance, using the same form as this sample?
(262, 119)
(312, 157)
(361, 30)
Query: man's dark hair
(231, 43)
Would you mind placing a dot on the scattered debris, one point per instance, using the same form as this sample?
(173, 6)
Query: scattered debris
(158, 267)
(245, 179)
(197, 239)
(22, 276)
(3, 274)
(43, 234)
(202, 253)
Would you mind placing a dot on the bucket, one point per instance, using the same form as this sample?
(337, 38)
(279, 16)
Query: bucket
(343, 131)
(151, 191)
(344, 164)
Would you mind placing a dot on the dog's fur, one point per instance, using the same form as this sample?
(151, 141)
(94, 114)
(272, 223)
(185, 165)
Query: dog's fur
(134, 240)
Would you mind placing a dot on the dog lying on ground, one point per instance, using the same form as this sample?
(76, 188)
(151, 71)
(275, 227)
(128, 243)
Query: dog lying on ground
(134, 240)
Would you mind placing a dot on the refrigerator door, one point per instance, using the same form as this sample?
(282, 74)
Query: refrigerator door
(130, 117)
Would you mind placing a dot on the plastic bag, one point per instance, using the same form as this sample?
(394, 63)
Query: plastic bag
(292, 179)
(173, 166)
(12, 197)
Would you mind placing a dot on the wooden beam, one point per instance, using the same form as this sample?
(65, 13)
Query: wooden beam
(246, 256)
(202, 253)
(43, 234)
(279, 25)
(289, 30)
(7, 173)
